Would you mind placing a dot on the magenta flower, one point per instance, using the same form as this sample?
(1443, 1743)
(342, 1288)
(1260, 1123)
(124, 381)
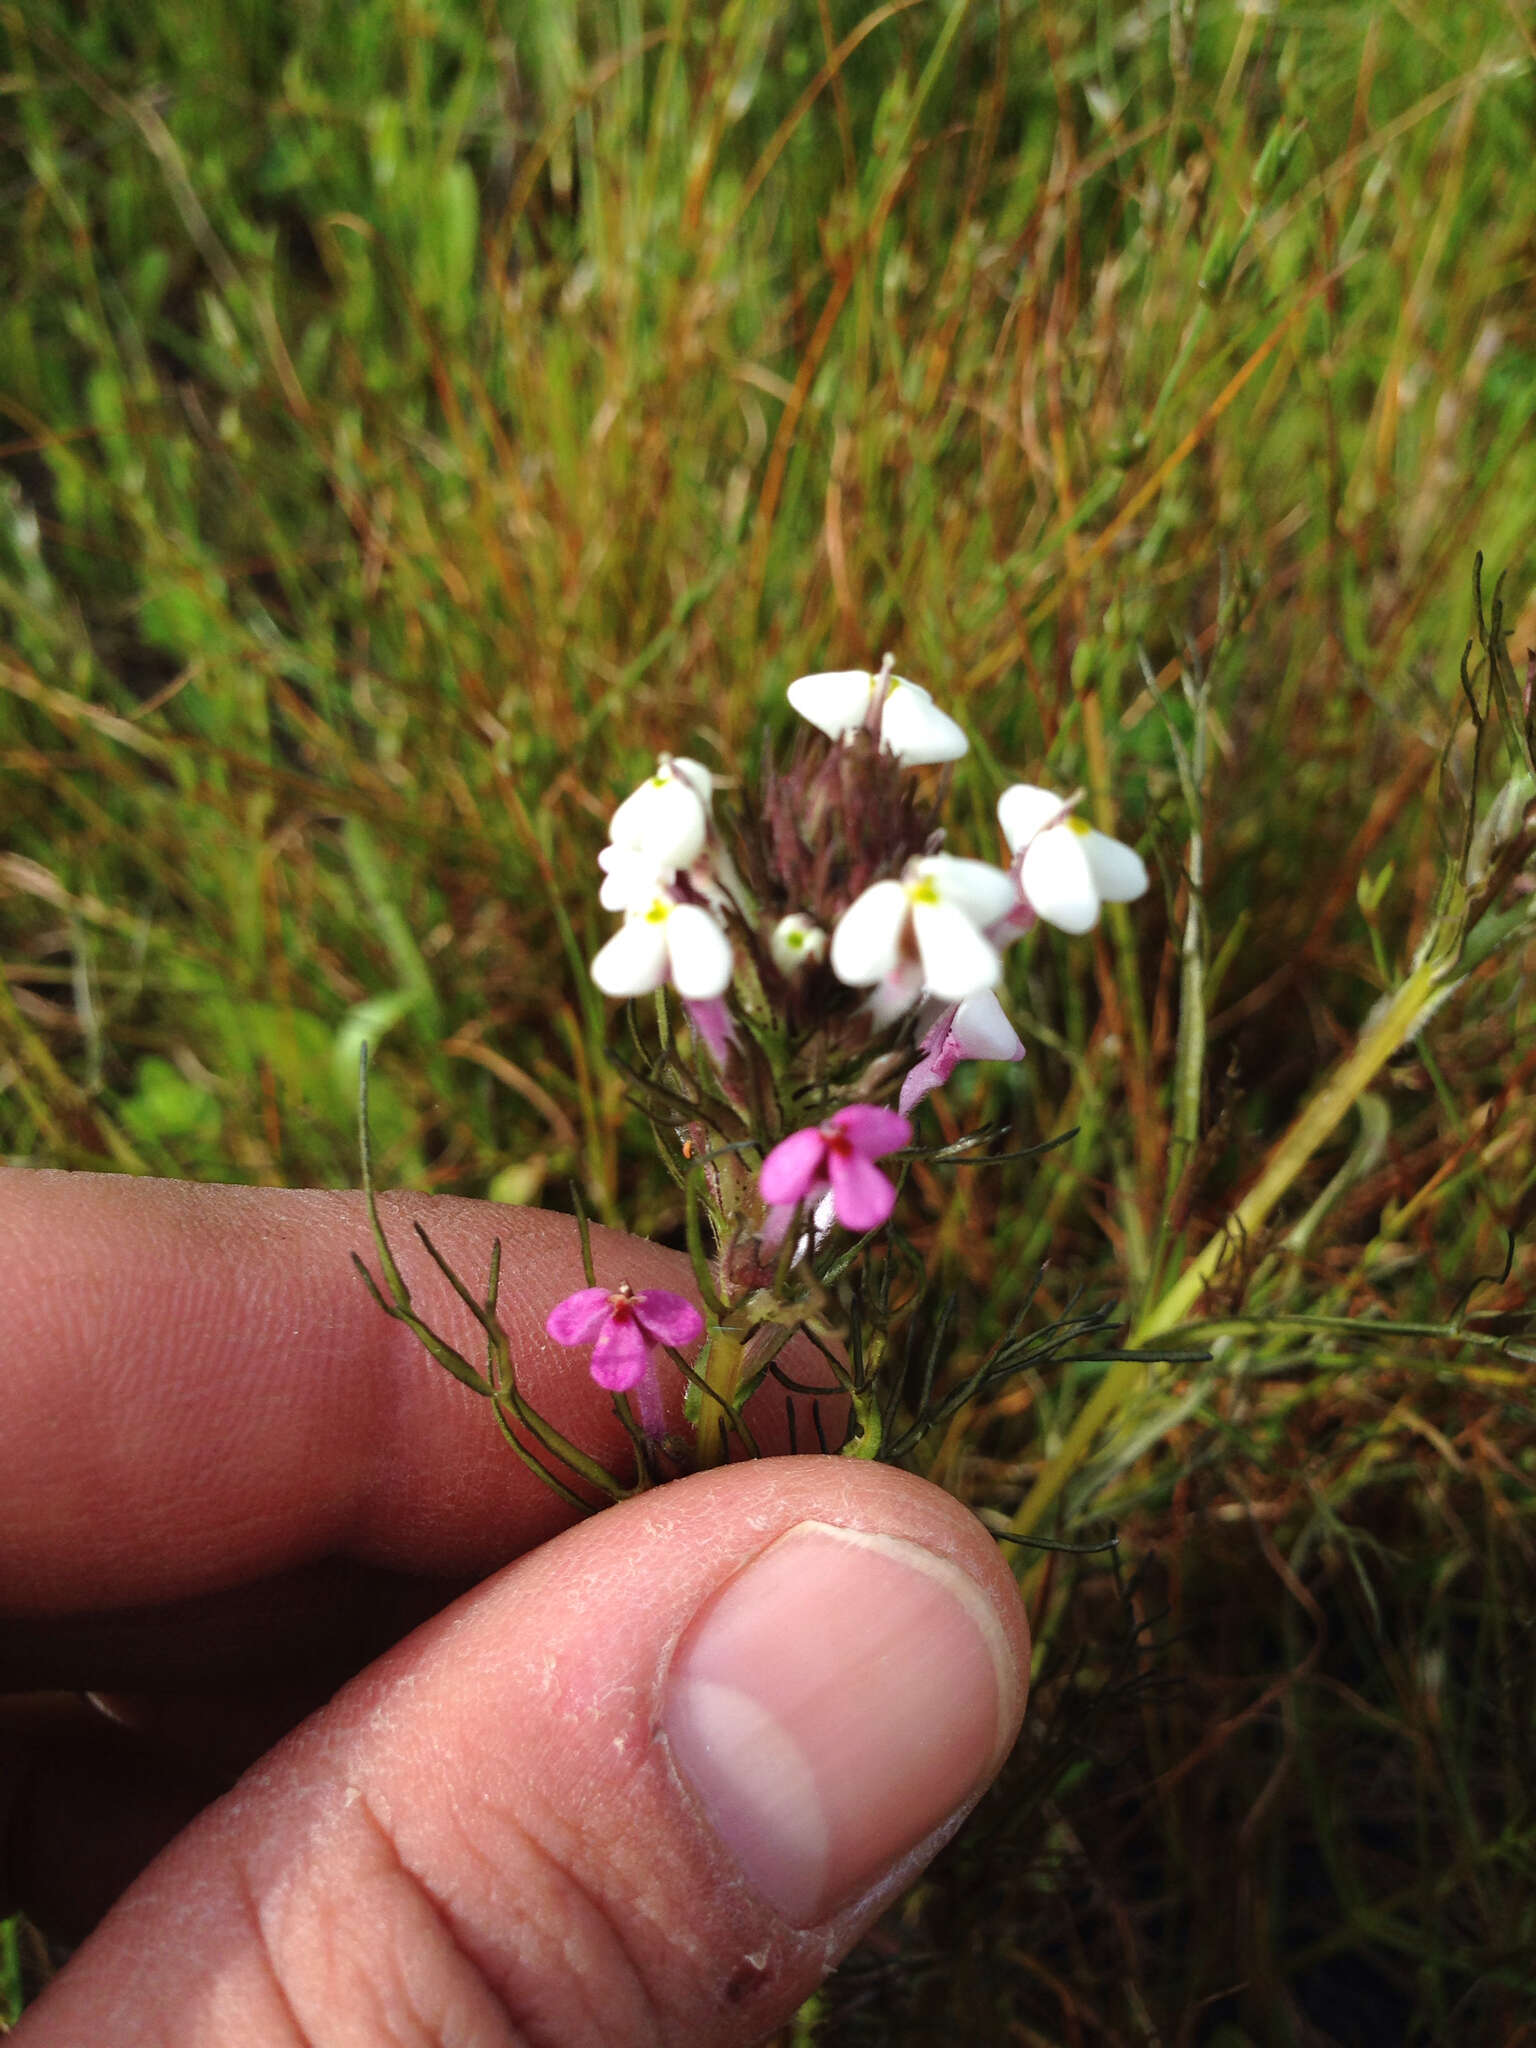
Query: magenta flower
(623, 1329)
(839, 1154)
(976, 1029)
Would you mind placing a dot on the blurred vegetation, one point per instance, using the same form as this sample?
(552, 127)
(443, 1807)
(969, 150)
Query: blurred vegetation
(410, 419)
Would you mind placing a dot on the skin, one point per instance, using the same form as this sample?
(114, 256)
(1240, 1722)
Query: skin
(241, 1508)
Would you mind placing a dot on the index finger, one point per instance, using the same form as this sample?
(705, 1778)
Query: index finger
(198, 1390)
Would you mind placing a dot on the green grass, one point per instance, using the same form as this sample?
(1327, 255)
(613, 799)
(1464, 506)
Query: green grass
(408, 422)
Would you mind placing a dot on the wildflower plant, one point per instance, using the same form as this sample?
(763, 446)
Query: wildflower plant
(804, 959)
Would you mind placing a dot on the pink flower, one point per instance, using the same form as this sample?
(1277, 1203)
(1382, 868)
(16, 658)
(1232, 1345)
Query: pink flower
(839, 1154)
(623, 1329)
(976, 1029)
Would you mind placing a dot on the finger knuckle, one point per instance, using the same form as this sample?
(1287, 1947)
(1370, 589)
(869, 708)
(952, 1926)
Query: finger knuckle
(490, 1937)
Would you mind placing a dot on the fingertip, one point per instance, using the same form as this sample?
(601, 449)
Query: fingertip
(725, 1721)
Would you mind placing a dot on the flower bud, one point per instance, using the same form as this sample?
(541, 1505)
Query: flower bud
(797, 941)
(1505, 819)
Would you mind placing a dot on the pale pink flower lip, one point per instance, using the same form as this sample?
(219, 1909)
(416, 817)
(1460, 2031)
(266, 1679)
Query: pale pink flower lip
(712, 1021)
(839, 1154)
(977, 1029)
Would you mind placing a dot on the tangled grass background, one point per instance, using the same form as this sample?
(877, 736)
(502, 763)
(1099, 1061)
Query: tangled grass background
(412, 418)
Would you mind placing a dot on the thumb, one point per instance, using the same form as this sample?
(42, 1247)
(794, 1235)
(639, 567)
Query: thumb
(646, 1785)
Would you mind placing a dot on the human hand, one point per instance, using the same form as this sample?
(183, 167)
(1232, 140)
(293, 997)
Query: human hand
(644, 1781)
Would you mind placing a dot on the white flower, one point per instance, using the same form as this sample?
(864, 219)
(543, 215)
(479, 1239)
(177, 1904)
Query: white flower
(941, 907)
(630, 878)
(1066, 869)
(795, 942)
(666, 941)
(977, 1029)
(981, 1030)
(667, 818)
(912, 726)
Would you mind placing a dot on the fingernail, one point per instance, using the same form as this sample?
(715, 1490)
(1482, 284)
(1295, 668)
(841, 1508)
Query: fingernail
(833, 1705)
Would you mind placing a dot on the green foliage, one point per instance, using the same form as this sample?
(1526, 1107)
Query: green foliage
(410, 420)
(10, 1972)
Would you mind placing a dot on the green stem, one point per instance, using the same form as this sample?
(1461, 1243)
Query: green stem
(1419, 994)
(1338, 1095)
(722, 1375)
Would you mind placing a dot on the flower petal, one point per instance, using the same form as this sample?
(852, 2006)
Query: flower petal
(630, 879)
(835, 700)
(1020, 919)
(977, 1029)
(896, 994)
(1119, 873)
(916, 730)
(981, 1030)
(578, 1318)
(700, 954)
(620, 1354)
(1023, 810)
(957, 960)
(872, 1131)
(782, 1214)
(776, 1226)
(711, 1022)
(861, 1193)
(933, 1022)
(931, 1072)
(648, 1406)
(1057, 880)
(866, 941)
(823, 1220)
(984, 892)
(696, 775)
(793, 1167)
(668, 1318)
(634, 961)
(665, 818)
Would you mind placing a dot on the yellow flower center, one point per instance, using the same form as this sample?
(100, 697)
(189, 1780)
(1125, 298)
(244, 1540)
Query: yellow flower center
(659, 912)
(923, 890)
(1078, 825)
